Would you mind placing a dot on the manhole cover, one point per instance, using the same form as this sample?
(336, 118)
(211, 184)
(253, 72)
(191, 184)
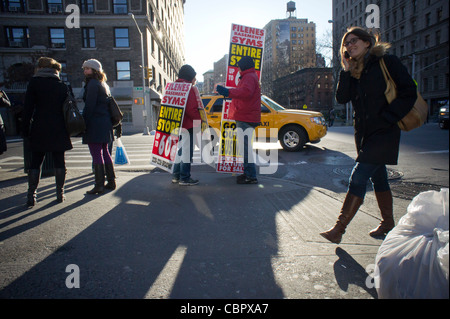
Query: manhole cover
(409, 190)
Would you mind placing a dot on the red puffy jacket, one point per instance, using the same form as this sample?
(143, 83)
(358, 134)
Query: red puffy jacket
(191, 112)
(247, 98)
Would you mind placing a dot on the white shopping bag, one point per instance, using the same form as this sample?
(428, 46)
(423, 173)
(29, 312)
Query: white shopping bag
(121, 157)
(413, 261)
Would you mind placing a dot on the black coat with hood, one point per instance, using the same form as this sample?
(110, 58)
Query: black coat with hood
(43, 119)
(377, 135)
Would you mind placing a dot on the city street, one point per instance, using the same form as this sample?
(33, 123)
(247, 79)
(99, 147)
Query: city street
(152, 239)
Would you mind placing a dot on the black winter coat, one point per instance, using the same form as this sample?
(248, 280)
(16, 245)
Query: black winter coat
(377, 135)
(43, 119)
(96, 114)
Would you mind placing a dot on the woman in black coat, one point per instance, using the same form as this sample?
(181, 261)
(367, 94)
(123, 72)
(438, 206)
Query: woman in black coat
(99, 130)
(377, 135)
(43, 124)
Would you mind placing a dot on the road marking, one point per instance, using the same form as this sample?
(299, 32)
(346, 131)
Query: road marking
(11, 158)
(434, 152)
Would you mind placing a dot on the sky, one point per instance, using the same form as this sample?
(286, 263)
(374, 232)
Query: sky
(207, 24)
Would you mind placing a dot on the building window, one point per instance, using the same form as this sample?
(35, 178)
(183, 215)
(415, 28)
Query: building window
(88, 37)
(54, 6)
(123, 70)
(427, 41)
(120, 7)
(427, 19)
(57, 39)
(121, 38)
(127, 114)
(13, 5)
(63, 74)
(17, 37)
(438, 37)
(87, 6)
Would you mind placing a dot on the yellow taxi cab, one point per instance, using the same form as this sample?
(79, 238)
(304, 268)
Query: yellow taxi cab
(294, 128)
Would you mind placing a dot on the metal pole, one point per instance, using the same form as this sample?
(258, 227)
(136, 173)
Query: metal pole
(144, 111)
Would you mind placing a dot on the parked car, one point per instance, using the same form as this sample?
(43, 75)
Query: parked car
(295, 128)
(443, 116)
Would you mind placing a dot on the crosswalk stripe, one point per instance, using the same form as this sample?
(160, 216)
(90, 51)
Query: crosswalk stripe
(139, 154)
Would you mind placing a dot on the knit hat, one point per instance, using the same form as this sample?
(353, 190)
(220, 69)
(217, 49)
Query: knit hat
(187, 73)
(93, 64)
(246, 63)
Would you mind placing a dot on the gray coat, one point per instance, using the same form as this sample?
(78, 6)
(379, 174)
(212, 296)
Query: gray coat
(96, 114)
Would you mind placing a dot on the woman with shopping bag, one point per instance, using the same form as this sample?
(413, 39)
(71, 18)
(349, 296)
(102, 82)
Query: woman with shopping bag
(99, 129)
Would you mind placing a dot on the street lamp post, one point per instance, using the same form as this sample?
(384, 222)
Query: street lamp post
(144, 111)
(336, 63)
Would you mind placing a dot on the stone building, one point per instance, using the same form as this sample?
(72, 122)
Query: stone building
(307, 89)
(72, 31)
(290, 45)
(418, 31)
(208, 82)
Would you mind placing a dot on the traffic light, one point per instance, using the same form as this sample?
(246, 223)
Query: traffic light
(148, 73)
(139, 100)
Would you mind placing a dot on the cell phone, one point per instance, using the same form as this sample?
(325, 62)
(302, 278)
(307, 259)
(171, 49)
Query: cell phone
(346, 55)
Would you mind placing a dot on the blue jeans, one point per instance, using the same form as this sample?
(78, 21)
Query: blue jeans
(182, 167)
(362, 173)
(249, 166)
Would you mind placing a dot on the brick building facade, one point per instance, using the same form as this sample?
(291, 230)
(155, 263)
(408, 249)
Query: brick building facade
(106, 31)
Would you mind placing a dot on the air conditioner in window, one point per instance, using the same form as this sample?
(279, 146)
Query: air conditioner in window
(121, 10)
(16, 44)
(58, 45)
(55, 9)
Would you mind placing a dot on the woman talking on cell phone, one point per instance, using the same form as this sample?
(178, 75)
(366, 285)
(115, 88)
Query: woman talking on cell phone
(377, 135)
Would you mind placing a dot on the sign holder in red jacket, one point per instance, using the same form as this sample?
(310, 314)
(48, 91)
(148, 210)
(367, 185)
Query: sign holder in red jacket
(244, 41)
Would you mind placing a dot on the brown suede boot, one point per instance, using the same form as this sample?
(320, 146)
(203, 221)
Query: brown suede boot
(348, 211)
(385, 204)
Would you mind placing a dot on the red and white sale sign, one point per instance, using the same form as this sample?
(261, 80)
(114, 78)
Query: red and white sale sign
(169, 124)
(244, 41)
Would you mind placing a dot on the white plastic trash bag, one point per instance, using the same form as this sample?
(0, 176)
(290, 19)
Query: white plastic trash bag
(121, 157)
(413, 260)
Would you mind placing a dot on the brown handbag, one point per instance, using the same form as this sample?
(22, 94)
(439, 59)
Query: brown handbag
(418, 114)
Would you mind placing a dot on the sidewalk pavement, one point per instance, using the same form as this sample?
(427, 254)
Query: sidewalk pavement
(150, 238)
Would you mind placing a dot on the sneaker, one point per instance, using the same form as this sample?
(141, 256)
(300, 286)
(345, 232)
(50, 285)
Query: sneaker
(246, 180)
(189, 182)
(240, 179)
(175, 180)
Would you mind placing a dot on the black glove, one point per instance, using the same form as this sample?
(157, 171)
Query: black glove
(222, 90)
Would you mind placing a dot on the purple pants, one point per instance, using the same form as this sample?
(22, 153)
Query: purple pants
(100, 153)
